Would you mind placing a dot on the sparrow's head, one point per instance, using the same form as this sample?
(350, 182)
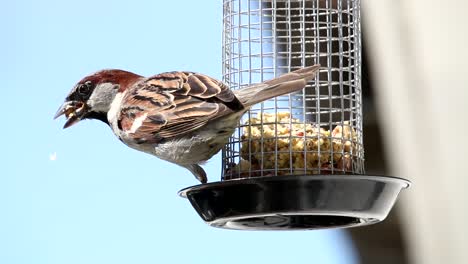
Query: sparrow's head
(92, 96)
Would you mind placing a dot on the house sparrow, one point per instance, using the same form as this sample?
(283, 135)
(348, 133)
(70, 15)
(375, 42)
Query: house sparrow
(181, 117)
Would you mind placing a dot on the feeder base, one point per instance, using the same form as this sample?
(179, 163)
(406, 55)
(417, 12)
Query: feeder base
(295, 202)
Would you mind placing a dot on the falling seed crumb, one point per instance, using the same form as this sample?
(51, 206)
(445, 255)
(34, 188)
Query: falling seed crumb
(53, 156)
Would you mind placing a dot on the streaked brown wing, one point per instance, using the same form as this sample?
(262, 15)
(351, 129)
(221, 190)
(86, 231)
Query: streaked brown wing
(173, 104)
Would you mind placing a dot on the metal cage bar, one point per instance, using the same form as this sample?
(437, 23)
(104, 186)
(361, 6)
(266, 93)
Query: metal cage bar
(316, 131)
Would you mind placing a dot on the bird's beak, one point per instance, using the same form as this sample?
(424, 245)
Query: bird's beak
(74, 111)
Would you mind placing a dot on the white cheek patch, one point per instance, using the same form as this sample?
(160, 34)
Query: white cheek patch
(137, 123)
(102, 97)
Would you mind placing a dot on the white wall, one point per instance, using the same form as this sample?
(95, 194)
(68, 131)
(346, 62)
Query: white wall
(419, 51)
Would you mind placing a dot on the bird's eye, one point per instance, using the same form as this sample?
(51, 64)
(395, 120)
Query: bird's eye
(84, 89)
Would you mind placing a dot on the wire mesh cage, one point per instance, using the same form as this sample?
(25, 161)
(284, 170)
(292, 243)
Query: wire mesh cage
(316, 131)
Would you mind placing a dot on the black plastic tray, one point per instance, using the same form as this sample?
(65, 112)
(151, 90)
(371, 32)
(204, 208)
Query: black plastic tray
(295, 202)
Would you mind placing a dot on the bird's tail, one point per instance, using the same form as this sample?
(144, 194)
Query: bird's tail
(285, 84)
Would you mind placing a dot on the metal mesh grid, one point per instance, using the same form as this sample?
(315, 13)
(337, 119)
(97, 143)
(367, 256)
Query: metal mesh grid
(316, 131)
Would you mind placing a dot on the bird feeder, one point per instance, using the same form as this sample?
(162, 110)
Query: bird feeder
(295, 161)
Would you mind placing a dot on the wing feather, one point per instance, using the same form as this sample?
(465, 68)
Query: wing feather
(174, 104)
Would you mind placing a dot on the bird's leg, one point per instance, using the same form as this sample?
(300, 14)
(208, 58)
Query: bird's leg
(197, 171)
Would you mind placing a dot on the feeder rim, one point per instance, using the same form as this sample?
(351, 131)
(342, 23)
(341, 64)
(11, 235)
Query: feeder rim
(384, 178)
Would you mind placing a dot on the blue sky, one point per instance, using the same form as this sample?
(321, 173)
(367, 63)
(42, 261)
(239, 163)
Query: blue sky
(99, 201)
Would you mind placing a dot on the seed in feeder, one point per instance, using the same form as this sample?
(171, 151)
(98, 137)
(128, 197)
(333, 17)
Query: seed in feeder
(286, 144)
